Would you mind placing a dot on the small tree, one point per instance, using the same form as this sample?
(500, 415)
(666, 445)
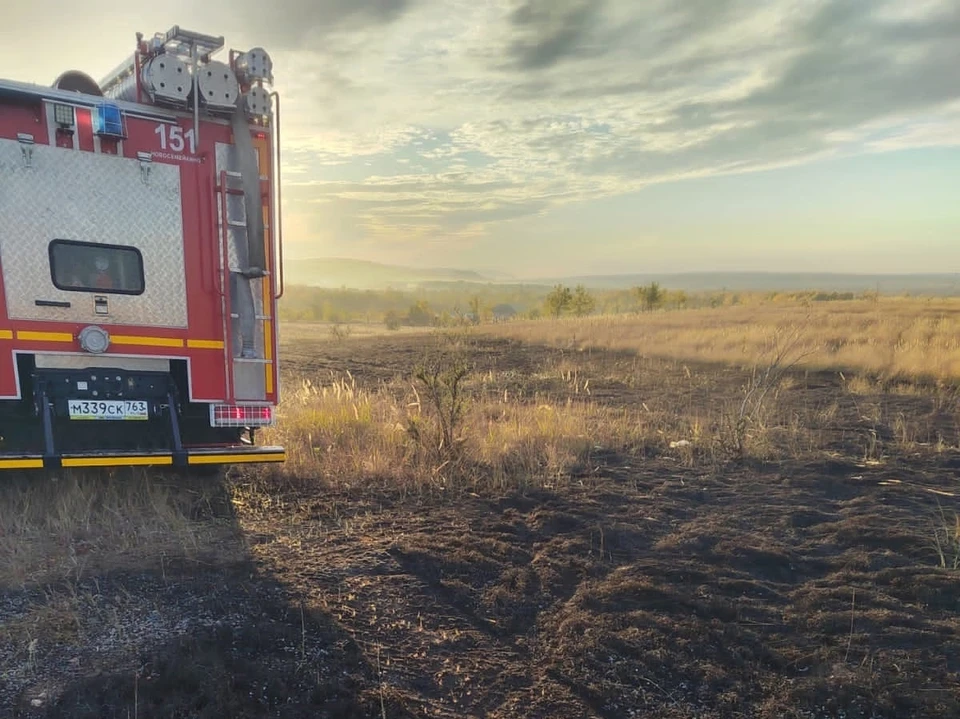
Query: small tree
(582, 302)
(558, 301)
(655, 296)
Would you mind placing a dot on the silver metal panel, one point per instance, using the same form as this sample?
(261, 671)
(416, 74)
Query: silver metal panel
(65, 194)
(236, 212)
(249, 380)
(132, 364)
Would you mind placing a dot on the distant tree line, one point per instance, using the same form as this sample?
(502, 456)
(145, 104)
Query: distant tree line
(466, 303)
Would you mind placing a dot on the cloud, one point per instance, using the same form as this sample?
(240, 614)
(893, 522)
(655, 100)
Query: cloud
(295, 24)
(547, 31)
(853, 66)
(446, 119)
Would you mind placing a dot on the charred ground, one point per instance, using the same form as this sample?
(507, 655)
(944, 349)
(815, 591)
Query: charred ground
(662, 582)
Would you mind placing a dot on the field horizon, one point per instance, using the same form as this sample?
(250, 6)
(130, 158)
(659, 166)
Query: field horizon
(336, 272)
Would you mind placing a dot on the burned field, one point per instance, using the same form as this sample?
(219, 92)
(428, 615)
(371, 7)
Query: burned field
(614, 537)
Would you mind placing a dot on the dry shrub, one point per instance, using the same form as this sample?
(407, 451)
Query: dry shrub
(441, 380)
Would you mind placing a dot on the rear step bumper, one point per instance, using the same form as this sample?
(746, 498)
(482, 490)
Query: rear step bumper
(191, 457)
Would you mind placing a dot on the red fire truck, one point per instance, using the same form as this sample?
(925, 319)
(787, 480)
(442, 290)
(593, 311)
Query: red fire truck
(140, 261)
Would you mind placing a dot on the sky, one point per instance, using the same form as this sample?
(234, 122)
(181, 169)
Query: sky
(549, 137)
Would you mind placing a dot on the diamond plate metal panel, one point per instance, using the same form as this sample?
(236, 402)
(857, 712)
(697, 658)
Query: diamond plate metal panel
(236, 249)
(66, 194)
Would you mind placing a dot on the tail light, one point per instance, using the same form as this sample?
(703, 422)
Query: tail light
(241, 415)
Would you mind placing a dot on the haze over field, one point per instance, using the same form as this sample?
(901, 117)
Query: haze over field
(336, 272)
(573, 137)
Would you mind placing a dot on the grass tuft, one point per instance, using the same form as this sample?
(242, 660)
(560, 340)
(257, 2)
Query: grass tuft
(946, 537)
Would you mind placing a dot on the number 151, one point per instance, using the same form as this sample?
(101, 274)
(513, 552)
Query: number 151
(172, 137)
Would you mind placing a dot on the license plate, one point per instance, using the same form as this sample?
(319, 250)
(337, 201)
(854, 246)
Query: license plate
(108, 409)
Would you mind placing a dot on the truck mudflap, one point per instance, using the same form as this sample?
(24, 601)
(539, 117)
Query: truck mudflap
(193, 457)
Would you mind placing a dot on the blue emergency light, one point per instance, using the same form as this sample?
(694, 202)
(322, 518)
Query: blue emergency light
(108, 120)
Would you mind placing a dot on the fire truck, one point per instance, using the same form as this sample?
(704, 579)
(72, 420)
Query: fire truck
(141, 261)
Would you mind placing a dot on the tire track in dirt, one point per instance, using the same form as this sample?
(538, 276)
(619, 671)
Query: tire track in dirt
(455, 602)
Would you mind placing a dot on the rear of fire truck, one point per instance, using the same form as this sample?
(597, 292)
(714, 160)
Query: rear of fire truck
(140, 259)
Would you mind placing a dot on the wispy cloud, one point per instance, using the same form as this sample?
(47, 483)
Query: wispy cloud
(545, 32)
(545, 102)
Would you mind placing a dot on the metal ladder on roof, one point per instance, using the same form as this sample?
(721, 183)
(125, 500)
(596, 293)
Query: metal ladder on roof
(250, 378)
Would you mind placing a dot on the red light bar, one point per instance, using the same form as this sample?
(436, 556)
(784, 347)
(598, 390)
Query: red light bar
(240, 415)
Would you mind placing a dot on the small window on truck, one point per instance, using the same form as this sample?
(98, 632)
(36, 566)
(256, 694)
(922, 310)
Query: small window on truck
(96, 267)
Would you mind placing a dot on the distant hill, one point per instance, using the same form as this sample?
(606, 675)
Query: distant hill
(929, 284)
(363, 274)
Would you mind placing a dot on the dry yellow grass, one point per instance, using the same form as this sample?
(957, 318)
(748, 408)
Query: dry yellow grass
(347, 436)
(343, 330)
(892, 337)
(78, 524)
(387, 438)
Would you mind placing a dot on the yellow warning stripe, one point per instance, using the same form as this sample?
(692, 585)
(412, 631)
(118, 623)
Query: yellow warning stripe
(143, 460)
(35, 463)
(263, 148)
(267, 290)
(127, 340)
(235, 458)
(268, 354)
(109, 461)
(32, 336)
(205, 344)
